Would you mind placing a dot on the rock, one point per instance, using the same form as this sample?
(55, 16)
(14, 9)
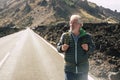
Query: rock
(43, 3)
(114, 76)
(27, 8)
(4, 31)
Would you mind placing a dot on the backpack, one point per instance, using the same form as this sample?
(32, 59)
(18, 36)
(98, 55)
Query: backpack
(67, 38)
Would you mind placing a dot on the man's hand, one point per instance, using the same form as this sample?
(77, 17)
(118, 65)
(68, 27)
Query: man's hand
(85, 47)
(65, 47)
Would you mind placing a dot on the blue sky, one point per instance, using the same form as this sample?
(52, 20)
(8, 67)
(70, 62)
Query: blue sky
(112, 4)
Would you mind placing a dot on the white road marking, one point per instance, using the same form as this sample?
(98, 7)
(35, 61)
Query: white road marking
(4, 59)
(48, 44)
(8, 54)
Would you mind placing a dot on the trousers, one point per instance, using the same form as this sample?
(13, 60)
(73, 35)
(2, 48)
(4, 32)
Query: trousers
(76, 76)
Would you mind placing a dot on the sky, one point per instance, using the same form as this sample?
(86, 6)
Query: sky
(112, 4)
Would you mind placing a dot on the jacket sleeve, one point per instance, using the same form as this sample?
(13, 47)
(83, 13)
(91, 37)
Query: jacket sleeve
(60, 43)
(91, 45)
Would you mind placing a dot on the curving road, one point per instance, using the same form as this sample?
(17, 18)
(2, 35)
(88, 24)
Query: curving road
(26, 56)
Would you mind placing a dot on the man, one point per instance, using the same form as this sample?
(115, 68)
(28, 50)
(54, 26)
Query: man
(76, 45)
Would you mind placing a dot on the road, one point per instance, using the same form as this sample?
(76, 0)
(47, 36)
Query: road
(26, 56)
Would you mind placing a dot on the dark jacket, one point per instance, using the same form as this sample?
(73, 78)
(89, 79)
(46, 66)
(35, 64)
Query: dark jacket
(76, 59)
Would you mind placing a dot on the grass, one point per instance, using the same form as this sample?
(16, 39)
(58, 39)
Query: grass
(89, 17)
(26, 22)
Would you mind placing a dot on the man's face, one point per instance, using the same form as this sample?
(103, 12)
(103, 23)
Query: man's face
(76, 26)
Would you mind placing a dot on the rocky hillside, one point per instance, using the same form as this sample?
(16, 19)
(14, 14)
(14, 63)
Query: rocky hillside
(23, 13)
(105, 61)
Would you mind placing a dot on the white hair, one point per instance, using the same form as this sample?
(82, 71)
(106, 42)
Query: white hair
(75, 18)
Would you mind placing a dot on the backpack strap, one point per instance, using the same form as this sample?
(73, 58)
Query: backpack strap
(85, 38)
(67, 38)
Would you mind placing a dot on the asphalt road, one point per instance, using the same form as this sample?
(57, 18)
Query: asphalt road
(26, 56)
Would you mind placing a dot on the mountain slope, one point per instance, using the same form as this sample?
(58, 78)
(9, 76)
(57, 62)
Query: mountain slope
(24, 13)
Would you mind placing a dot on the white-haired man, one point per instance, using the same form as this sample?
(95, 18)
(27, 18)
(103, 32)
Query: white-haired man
(76, 45)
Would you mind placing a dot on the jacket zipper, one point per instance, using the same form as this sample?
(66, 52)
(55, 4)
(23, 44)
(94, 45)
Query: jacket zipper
(76, 56)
